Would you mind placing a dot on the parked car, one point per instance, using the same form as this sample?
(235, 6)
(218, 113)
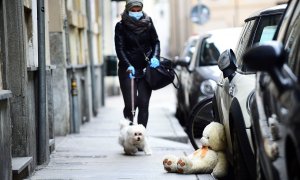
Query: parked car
(180, 61)
(276, 113)
(235, 89)
(198, 77)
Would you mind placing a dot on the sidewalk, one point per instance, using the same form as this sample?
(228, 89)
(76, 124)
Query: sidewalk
(96, 154)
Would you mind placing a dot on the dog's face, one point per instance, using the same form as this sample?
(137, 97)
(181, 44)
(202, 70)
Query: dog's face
(136, 133)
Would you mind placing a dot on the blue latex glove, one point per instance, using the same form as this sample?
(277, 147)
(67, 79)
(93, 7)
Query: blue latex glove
(154, 62)
(131, 71)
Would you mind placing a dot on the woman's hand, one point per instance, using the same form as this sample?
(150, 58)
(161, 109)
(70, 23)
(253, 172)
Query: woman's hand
(131, 71)
(154, 62)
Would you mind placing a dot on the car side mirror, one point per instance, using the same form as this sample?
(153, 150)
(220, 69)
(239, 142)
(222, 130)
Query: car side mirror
(265, 57)
(226, 63)
(269, 57)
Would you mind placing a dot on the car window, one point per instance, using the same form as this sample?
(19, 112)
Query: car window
(266, 28)
(244, 41)
(210, 52)
(267, 34)
(292, 44)
(214, 45)
(262, 31)
(284, 28)
(189, 49)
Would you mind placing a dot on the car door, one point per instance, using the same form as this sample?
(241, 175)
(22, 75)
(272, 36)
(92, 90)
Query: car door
(282, 105)
(276, 112)
(226, 89)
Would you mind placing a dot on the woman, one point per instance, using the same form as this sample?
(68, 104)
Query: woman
(136, 42)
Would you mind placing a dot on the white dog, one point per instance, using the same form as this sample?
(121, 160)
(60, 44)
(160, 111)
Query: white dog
(133, 138)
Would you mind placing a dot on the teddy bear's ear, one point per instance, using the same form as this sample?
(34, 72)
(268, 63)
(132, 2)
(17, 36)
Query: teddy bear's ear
(217, 140)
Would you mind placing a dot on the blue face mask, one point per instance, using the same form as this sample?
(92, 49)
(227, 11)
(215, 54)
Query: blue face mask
(136, 15)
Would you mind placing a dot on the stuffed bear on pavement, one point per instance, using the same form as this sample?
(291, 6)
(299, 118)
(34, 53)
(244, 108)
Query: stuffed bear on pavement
(210, 158)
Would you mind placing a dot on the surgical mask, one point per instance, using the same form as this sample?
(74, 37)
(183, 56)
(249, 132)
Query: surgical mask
(136, 15)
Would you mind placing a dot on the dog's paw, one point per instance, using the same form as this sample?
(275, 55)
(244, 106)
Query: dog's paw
(184, 165)
(147, 149)
(170, 163)
(148, 152)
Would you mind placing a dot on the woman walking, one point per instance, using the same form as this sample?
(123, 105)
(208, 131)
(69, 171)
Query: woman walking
(137, 45)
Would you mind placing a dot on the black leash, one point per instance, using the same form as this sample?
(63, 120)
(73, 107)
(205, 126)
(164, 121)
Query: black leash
(132, 99)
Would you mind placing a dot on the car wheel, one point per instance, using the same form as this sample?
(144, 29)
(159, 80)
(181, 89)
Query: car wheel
(292, 162)
(201, 115)
(260, 174)
(180, 116)
(215, 109)
(264, 166)
(239, 165)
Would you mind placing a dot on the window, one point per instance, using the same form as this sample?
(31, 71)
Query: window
(267, 34)
(292, 44)
(263, 30)
(189, 49)
(286, 19)
(244, 41)
(210, 53)
(266, 28)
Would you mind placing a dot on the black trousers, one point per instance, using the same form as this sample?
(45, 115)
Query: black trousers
(142, 94)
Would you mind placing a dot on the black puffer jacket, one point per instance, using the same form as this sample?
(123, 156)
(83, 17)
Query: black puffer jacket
(128, 51)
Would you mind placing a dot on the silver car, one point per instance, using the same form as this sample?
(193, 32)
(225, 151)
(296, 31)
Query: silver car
(199, 75)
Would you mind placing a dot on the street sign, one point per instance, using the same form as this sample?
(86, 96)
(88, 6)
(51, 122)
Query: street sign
(200, 14)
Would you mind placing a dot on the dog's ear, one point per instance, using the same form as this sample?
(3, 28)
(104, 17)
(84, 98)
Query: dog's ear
(130, 131)
(142, 126)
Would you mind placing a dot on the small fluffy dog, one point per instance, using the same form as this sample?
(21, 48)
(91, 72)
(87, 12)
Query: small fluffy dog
(133, 138)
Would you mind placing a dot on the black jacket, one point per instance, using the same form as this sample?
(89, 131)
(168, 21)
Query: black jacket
(127, 49)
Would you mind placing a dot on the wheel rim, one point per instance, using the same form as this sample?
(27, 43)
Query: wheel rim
(201, 119)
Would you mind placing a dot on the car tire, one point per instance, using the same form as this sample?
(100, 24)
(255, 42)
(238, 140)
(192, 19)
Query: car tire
(180, 116)
(292, 148)
(293, 165)
(239, 165)
(197, 123)
(215, 109)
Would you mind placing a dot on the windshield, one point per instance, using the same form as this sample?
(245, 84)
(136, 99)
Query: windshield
(213, 46)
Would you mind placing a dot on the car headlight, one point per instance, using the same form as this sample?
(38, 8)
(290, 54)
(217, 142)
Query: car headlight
(208, 87)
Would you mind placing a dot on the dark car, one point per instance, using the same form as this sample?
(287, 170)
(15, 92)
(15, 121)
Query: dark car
(235, 91)
(198, 77)
(276, 113)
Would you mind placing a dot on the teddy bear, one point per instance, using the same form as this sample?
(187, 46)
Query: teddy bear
(210, 158)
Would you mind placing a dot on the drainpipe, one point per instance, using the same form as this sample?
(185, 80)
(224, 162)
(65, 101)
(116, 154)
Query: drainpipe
(74, 92)
(91, 55)
(103, 74)
(42, 124)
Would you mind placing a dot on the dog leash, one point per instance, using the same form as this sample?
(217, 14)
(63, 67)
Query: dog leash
(132, 99)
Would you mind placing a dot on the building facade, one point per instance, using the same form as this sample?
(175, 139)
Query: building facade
(222, 14)
(52, 77)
